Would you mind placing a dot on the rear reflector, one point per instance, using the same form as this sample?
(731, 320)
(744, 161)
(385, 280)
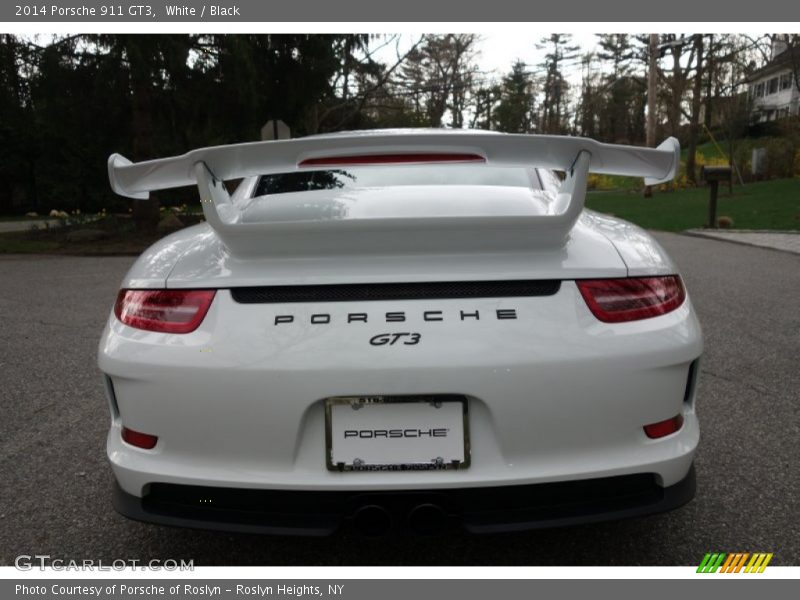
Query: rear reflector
(632, 298)
(391, 159)
(169, 311)
(664, 428)
(139, 439)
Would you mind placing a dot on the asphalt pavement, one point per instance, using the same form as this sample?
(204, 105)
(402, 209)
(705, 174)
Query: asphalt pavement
(786, 241)
(56, 483)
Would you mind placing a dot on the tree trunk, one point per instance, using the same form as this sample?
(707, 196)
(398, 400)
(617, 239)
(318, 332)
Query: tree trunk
(709, 81)
(676, 97)
(652, 80)
(145, 212)
(694, 125)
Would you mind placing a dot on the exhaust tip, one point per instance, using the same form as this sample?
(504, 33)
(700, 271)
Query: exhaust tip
(372, 520)
(427, 519)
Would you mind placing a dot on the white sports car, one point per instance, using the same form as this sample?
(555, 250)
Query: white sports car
(400, 329)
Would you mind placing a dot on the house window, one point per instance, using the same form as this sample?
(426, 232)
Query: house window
(773, 86)
(786, 81)
(760, 90)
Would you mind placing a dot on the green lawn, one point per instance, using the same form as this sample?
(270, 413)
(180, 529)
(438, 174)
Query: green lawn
(119, 244)
(20, 243)
(764, 205)
(15, 218)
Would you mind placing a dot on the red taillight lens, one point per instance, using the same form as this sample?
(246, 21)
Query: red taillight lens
(664, 428)
(633, 298)
(139, 439)
(390, 159)
(170, 311)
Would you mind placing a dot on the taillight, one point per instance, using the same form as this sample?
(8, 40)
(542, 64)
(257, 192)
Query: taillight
(663, 428)
(139, 439)
(391, 159)
(170, 311)
(632, 298)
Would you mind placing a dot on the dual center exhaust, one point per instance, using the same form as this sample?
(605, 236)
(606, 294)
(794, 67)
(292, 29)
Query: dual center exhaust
(375, 520)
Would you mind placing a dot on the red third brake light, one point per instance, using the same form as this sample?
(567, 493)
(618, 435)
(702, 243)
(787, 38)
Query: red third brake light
(169, 311)
(391, 159)
(632, 298)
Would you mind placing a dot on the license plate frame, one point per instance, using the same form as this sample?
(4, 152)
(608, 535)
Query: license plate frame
(457, 419)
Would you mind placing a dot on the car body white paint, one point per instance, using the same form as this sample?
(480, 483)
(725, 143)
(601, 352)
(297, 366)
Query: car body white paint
(554, 395)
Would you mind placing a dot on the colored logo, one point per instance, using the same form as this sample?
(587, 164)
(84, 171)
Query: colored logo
(736, 562)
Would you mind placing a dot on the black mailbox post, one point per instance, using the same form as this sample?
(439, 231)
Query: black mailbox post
(712, 176)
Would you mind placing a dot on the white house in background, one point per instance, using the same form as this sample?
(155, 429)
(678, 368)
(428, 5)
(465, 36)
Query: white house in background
(772, 89)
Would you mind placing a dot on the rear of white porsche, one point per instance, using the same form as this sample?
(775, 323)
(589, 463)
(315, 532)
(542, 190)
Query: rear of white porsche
(409, 378)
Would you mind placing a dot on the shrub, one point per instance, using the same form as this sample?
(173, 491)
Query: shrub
(780, 157)
(724, 222)
(593, 182)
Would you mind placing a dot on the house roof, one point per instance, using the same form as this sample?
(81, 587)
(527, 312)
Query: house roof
(779, 63)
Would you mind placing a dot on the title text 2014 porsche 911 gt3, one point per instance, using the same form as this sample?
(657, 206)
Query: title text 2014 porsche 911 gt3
(400, 329)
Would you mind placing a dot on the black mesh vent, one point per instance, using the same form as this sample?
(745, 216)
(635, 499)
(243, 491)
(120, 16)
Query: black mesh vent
(364, 292)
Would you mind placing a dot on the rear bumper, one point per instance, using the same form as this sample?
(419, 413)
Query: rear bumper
(477, 510)
(553, 395)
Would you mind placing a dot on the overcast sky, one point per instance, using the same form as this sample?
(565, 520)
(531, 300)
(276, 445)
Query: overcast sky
(498, 52)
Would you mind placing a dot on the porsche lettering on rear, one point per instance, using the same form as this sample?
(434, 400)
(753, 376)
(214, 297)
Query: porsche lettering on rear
(501, 314)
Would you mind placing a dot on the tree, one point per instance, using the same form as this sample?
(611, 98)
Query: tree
(677, 78)
(694, 118)
(484, 102)
(439, 76)
(616, 48)
(553, 118)
(622, 99)
(80, 111)
(515, 111)
(369, 99)
(17, 150)
(591, 98)
(66, 104)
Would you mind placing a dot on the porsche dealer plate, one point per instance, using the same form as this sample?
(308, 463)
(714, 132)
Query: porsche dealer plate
(396, 433)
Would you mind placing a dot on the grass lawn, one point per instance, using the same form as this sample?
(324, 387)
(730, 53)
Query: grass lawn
(121, 243)
(18, 242)
(109, 235)
(16, 218)
(764, 205)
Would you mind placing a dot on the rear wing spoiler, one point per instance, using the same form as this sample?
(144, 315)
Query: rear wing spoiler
(209, 167)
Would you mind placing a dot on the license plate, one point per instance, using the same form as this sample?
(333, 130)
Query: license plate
(396, 433)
